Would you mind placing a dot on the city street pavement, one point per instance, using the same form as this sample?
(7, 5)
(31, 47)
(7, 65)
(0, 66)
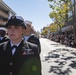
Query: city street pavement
(57, 59)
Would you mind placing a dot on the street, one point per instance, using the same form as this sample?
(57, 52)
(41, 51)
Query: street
(57, 59)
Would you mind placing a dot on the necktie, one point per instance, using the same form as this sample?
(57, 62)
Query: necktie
(14, 47)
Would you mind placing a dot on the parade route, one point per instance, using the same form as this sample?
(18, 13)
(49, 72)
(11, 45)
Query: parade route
(57, 59)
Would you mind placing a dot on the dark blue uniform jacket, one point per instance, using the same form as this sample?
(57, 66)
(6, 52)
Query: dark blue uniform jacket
(25, 61)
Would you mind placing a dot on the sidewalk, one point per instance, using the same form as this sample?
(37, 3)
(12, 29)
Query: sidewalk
(61, 59)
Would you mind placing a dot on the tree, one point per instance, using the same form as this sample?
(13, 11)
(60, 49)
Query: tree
(44, 31)
(53, 27)
(58, 15)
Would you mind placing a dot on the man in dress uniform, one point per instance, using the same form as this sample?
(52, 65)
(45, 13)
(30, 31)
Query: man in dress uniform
(3, 36)
(18, 57)
(30, 36)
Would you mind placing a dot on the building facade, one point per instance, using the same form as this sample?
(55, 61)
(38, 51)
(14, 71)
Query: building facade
(5, 13)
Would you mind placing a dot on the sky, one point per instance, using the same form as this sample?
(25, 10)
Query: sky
(36, 11)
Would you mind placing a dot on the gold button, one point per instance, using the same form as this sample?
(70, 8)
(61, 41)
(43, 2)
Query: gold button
(10, 73)
(11, 63)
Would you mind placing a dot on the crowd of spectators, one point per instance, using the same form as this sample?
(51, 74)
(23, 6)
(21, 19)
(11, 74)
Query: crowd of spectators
(66, 39)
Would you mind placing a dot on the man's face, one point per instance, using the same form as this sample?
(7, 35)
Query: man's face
(15, 32)
(28, 29)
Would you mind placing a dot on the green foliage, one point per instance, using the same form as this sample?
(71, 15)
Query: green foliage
(45, 31)
(59, 13)
(53, 27)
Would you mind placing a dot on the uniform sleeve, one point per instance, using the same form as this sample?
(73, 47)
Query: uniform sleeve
(38, 43)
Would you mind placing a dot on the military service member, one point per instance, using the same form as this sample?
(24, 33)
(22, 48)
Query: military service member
(18, 57)
(3, 36)
(30, 36)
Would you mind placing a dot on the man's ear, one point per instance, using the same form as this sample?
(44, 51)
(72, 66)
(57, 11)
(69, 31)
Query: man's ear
(23, 30)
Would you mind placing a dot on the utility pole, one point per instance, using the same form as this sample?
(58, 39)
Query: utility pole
(74, 22)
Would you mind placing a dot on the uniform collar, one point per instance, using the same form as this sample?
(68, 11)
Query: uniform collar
(15, 44)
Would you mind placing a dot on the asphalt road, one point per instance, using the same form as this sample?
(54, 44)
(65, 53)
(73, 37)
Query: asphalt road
(57, 59)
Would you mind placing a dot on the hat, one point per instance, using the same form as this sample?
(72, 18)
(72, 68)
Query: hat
(4, 29)
(28, 22)
(16, 21)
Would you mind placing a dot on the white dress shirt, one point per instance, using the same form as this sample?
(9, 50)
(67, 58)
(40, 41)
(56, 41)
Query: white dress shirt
(14, 49)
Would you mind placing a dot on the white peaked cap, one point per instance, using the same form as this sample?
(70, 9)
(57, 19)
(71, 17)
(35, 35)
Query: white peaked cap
(17, 17)
(28, 22)
(2, 28)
